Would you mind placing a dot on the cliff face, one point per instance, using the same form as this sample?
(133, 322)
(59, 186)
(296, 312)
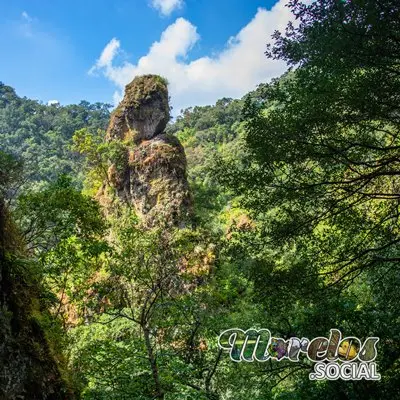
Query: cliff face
(152, 173)
(28, 369)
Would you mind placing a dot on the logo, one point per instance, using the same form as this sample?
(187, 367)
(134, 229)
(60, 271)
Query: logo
(335, 357)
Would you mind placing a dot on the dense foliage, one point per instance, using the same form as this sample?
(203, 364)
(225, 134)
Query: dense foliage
(40, 134)
(296, 193)
(322, 178)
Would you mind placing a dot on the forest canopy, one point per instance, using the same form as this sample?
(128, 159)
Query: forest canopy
(294, 202)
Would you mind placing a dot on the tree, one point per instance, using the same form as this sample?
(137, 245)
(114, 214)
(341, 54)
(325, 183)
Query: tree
(319, 177)
(40, 135)
(153, 295)
(325, 138)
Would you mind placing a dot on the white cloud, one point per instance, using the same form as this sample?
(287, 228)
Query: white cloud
(26, 16)
(107, 55)
(26, 25)
(166, 7)
(53, 103)
(232, 73)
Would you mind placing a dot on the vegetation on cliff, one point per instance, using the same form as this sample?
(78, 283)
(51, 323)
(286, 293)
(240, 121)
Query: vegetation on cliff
(31, 361)
(150, 173)
(293, 219)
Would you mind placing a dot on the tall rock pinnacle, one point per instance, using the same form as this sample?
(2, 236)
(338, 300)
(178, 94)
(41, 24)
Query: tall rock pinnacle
(152, 176)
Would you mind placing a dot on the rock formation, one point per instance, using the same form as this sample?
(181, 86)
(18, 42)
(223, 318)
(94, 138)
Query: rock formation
(151, 174)
(28, 366)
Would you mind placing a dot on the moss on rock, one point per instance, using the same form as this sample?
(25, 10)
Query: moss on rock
(153, 175)
(30, 365)
(144, 111)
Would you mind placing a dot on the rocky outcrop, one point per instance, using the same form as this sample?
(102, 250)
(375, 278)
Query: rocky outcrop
(28, 366)
(144, 111)
(151, 174)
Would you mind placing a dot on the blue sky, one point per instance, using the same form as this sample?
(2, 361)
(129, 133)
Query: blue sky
(89, 49)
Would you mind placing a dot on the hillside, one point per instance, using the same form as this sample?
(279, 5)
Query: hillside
(272, 220)
(40, 135)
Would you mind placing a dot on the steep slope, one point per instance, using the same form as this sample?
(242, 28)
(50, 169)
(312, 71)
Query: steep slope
(28, 366)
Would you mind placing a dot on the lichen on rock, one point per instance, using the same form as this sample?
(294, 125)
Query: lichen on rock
(151, 175)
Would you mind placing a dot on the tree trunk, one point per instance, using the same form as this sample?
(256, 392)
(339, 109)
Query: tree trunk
(153, 364)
